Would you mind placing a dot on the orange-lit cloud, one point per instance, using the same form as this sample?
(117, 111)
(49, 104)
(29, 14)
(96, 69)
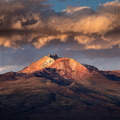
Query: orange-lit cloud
(32, 23)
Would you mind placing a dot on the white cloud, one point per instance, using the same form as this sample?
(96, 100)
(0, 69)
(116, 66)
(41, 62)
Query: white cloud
(8, 68)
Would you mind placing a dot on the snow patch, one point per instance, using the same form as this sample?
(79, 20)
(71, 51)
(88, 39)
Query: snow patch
(48, 62)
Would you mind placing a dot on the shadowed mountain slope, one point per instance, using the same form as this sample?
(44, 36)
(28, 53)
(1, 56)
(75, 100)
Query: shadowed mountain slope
(57, 88)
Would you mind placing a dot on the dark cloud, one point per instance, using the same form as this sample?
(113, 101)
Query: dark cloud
(28, 22)
(97, 54)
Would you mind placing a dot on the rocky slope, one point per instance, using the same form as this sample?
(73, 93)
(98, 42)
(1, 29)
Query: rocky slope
(60, 88)
(66, 67)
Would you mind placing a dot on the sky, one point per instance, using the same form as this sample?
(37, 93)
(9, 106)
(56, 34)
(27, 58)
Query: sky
(85, 30)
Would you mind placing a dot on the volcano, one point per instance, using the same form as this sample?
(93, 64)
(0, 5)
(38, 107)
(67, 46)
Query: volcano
(57, 88)
(66, 67)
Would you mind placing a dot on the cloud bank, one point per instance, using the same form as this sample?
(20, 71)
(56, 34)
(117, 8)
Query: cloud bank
(33, 23)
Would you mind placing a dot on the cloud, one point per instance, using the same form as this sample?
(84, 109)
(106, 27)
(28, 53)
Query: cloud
(8, 68)
(32, 23)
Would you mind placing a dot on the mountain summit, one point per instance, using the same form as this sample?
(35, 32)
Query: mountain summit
(66, 67)
(44, 62)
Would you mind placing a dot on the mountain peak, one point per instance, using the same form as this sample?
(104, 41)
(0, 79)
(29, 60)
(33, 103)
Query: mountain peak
(66, 67)
(55, 56)
(44, 62)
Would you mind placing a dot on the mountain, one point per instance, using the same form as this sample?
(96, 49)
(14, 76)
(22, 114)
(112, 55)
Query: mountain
(58, 88)
(66, 67)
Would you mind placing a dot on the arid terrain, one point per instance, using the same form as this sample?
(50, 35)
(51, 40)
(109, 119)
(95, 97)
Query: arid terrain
(55, 88)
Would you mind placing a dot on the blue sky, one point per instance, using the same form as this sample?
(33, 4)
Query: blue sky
(58, 5)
